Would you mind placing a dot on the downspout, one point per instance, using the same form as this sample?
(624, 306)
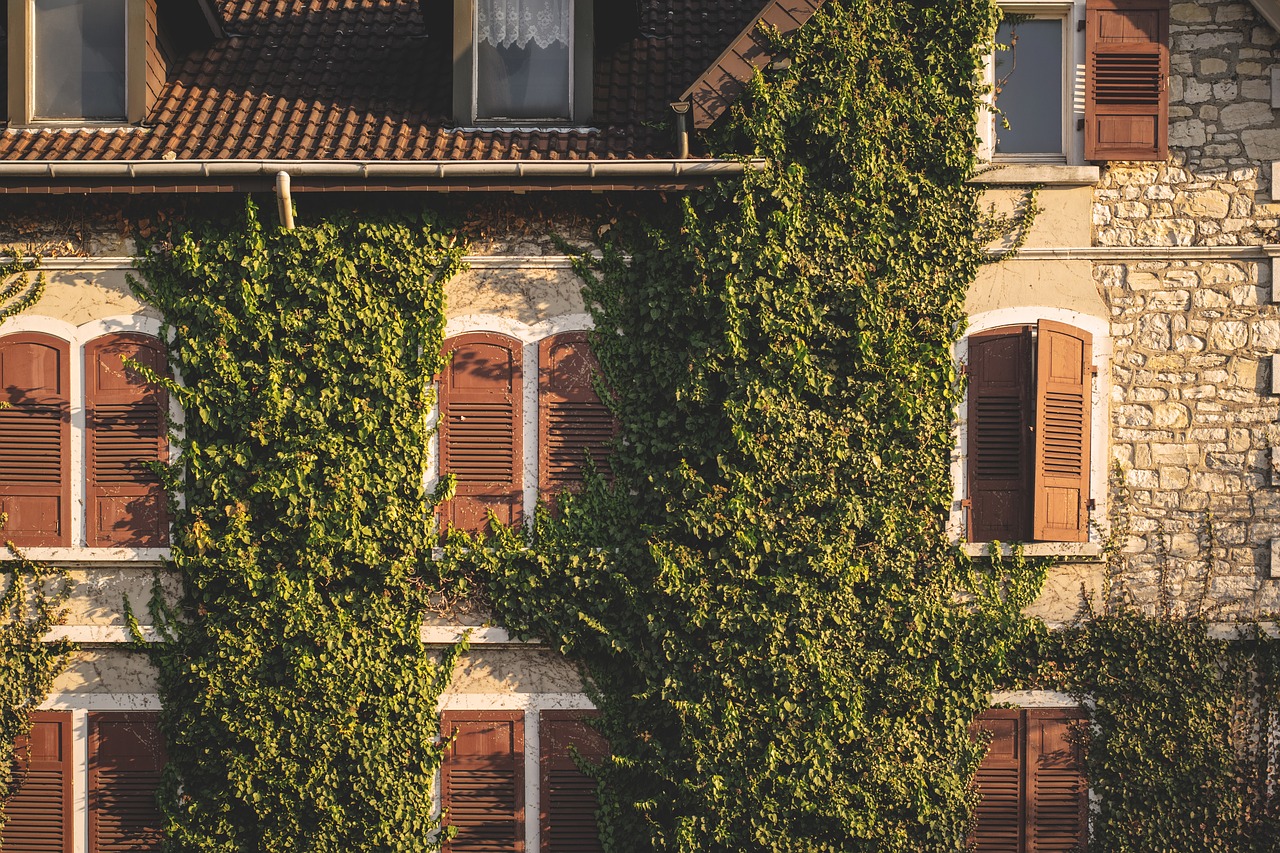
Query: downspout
(284, 200)
(681, 109)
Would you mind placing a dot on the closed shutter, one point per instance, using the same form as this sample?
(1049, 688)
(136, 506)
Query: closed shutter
(1031, 785)
(573, 422)
(481, 430)
(38, 815)
(998, 827)
(569, 802)
(1057, 796)
(125, 429)
(126, 755)
(1064, 380)
(1127, 92)
(35, 440)
(482, 781)
(999, 435)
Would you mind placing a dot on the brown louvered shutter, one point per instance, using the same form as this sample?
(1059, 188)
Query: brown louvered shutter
(1064, 380)
(481, 429)
(572, 419)
(125, 428)
(126, 755)
(998, 825)
(35, 440)
(482, 781)
(1057, 796)
(1127, 92)
(568, 795)
(999, 436)
(38, 815)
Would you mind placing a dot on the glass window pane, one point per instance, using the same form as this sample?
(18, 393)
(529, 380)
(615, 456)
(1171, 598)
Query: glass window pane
(523, 56)
(79, 59)
(1028, 80)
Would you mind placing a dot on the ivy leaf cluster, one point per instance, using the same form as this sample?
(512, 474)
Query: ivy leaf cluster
(299, 703)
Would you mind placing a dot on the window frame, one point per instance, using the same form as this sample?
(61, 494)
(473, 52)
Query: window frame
(1099, 435)
(1072, 14)
(466, 70)
(77, 338)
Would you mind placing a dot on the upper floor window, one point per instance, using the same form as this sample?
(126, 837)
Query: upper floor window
(1079, 80)
(79, 60)
(106, 431)
(523, 62)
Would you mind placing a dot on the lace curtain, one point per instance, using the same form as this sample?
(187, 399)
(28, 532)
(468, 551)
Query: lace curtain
(503, 23)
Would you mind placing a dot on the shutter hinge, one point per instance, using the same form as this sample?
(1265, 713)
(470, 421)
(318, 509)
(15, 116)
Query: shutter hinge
(967, 503)
(1091, 504)
(1093, 370)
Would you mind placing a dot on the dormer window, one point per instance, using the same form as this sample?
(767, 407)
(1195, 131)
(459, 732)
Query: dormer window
(522, 62)
(79, 60)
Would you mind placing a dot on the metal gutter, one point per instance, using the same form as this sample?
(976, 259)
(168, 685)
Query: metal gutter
(379, 169)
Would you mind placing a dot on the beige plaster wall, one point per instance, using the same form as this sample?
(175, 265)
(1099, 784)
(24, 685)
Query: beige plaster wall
(526, 295)
(1065, 217)
(1067, 589)
(1066, 284)
(107, 669)
(79, 297)
(488, 669)
(98, 594)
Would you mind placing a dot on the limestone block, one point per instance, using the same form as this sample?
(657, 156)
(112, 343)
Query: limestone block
(1275, 466)
(1191, 133)
(1227, 90)
(1211, 66)
(1247, 114)
(1206, 203)
(1188, 13)
(1256, 90)
(1275, 85)
(1263, 146)
(1229, 335)
(1275, 559)
(1275, 374)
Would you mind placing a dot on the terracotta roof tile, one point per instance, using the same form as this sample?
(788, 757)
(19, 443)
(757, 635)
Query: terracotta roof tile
(361, 79)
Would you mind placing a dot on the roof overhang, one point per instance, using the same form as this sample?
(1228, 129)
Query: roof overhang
(1269, 9)
(191, 176)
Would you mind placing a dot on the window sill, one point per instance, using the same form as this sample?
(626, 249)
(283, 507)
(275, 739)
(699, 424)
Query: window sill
(1037, 173)
(1067, 550)
(90, 555)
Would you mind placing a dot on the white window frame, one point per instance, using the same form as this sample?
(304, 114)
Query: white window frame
(1099, 434)
(1072, 14)
(30, 85)
(537, 121)
(77, 337)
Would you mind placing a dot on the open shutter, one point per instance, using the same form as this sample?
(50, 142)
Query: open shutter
(572, 419)
(1127, 97)
(38, 815)
(999, 442)
(568, 795)
(35, 440)
(1057, 796)
(125, 429)
(1064, 386)
(1000, 819)
(481, 429)
(482, 781)
(126, 755)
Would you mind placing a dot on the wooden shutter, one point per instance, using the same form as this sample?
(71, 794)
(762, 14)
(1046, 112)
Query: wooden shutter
(126, 755)
(482, 781)
(125, 429)
(35, 440)
(998, 827)
(572, 419)
(1127, 92)
(1064, 391)
(481, 429)
(999, 436)
(1057, 796)
(568, 795)
(38, 815)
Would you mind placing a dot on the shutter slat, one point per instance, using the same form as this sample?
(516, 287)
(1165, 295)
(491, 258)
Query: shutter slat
(569, 801)
(1063, 385)
(126, 756)
(482, 781)
(39, 814)
(1127, 102)
(1056, 790)
(481, 430)
(999, 442)
(573, 422)
(126, 430)
(35, 440)
(998, 824)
